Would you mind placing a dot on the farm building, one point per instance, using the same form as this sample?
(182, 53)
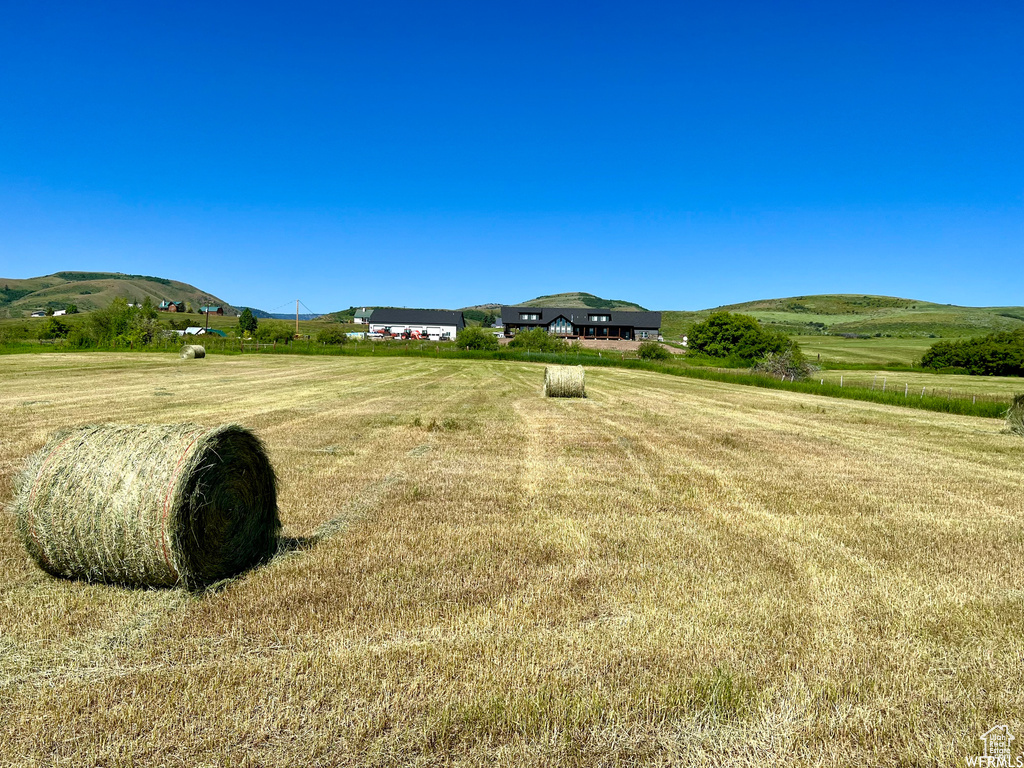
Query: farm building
(434, 323)
(585, 323)
(171, 306)
(211, 310)
(362, 316)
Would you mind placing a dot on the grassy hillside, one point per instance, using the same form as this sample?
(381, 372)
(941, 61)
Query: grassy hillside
(580, 300)
(858, 314)
(671, 572)
(94, 290)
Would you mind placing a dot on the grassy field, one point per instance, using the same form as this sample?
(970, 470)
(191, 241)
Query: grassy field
(873, 351)
(671, 571)
(938, 383)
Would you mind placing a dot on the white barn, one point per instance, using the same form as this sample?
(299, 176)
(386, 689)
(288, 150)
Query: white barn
(435, 324)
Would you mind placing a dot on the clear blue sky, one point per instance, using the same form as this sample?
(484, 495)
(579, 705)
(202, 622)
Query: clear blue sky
(681, 155)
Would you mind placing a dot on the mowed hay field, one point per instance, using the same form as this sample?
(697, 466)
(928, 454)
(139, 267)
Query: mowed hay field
(670, 571)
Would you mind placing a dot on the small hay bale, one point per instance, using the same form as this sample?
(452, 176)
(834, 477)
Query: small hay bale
(564, 381)
(149, 505)
(193, 351)
(1015, 415)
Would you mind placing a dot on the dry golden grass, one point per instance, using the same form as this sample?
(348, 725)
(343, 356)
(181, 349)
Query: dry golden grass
(670, 571)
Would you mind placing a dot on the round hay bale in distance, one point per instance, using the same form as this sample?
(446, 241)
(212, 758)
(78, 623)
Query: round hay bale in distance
(193, 351)
(564, 381)
(149, 505)
(1015, 415)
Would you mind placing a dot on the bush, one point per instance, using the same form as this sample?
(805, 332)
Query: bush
(331, 335)
(54, 329)
(790, 364)
(652, 350)
(538, 340)
(475, 337)
(727, 335)
(274, 331)
(998, 354)
(111, 322)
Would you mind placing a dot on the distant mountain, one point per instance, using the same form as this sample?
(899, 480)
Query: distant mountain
(259, 314)
(96, 290)
(581, 300)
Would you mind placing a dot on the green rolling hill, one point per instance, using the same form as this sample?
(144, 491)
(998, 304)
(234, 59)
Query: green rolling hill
(838, 314)
(581, 300)
(95, 290)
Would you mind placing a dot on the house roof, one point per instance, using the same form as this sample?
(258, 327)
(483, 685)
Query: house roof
(195, 330)
(211, 309)
(363, 313)
(396, 316)
(581, 316)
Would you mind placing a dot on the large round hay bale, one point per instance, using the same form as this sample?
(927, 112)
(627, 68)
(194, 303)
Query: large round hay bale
(564, 381)
(150, 506)
(1015, 415)
(193, 351)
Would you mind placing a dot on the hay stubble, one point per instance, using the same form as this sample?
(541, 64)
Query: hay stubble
(669, 571)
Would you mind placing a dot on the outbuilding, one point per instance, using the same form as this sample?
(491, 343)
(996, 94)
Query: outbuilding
(435, 324)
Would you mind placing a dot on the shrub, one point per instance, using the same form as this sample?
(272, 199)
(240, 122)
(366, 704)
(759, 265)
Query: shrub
(111, 322)
(54, 329)
(331, 335)
(790, 364)
(731, 335)
(475, 337)
(652, 350)
(998, 354)
(273, 331)
(538, 340)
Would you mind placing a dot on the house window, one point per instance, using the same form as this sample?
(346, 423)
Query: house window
(560, 326)
(600, 318)
(528, 316)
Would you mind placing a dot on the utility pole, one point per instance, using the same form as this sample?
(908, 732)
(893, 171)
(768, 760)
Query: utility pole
(296, 317)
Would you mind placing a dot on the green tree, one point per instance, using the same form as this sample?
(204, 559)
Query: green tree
(725, 334)
(71, 309)
(54, 329)
(49, 311)
(274, 330)
(247, 322)
(488, 321)
(997, 354)
(538, 340)
(112, 321)
(148, 310)
(652, 350)
(331, 335)
(475, 337)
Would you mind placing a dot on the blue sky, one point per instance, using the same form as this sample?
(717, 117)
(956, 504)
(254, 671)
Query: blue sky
(681, 155)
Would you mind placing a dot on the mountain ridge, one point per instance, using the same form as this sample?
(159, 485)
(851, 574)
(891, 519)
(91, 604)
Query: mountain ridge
(95, 290)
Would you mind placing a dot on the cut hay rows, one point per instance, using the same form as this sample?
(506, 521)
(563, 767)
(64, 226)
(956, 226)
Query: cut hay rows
(1015, 415)
(564, 381)
(148, 505)
(193, 351)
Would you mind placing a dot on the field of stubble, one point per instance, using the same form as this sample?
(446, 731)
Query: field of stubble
(671, 571)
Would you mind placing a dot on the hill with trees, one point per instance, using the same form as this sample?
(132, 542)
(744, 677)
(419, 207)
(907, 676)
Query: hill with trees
(89, 291)
(861, 315)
